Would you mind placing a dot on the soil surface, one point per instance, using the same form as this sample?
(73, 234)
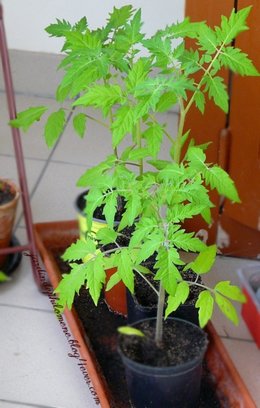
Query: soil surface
(181, 343)
(101, 326)
(6, 193)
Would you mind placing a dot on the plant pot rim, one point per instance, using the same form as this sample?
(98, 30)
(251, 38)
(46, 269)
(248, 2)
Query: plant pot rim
(173, 369)
(16, 190)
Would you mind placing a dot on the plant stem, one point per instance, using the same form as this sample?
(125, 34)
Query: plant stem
(97, 121)
(178, 146)
(147, 281)
(159, 316)
(139, 143)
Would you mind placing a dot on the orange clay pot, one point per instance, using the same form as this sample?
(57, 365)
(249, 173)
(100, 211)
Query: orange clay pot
(7, 217)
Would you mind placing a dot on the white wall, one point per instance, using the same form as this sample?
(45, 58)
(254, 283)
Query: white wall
(25, 20)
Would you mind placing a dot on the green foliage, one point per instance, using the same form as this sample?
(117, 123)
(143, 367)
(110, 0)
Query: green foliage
(3, 277)
(103, 70)
(130, 331)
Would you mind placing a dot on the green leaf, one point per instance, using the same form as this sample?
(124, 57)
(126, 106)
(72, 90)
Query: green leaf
(153, 135)
(142, 230)
(217, 91)
(167, 272)
(133, 209)
(167, 100)
(207, 39)
(4, 277)
(58, 29)
(148, 248)
(120, 16)
(205, 303)
(237, 61)
(96, 277)
(200, 101)
(232, 26)
(124, 268)
(227, 308)
(186, 241)
(71, 284)
(106, 235)
(54, 127)
(197, 157)
(218, 178)
(27, 117)
(101, 96)
(79, 250)
(113, 280)
(110, 208)
(184, 29)
(79, 124)
(91, 175)
(180, 297)
(130, 331)
(231, 291)
(137, 73)
(204, 261)
(123, 124)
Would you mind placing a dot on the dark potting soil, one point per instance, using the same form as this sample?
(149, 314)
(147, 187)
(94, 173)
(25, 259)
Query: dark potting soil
(181, 344)
(100, 326)
(146, 296)
(6, 194)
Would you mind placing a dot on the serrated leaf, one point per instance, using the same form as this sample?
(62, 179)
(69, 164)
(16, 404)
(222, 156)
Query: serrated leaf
(204, 261)
(142, 229)
(96, 277)
(91, 175)
(27, 117)
(217, 91)
(186, 241)
(106, 235)
(153, 135)
(205, 303)
(148, 248)
(137, 73)
(231, 291)
(218, 178)
(180, 296)
(58, 29)
(167, 272)
(79, 250)
(110, 208)
(113, 280)
(232, 26)
(125, 268)
(167, 100)
(184, 29)
(133, 209)
(119, 16)
(237, 61)
(227, 308)
(71, 284)
(199, 99)
(54, 127)
(79, 124)
(207, 39)
(101, 96)
(123, 124)
(197, 157)
(130, 331)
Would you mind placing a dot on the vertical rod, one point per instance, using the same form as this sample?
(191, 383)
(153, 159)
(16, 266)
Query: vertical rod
(17, 146)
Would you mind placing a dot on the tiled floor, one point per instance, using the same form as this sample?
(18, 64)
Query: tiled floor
(35, 368)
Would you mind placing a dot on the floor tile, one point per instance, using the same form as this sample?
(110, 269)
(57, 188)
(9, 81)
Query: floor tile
(21, 290)
(55, 195)
(246, 358)
(37, 368)
(33, 143)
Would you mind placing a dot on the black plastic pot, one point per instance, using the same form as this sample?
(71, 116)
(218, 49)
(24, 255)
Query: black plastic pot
(135, 311)
(166, 387)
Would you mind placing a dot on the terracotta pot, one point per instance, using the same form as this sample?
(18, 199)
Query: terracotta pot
(226, 378)
(116, 297)
(7, 217)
